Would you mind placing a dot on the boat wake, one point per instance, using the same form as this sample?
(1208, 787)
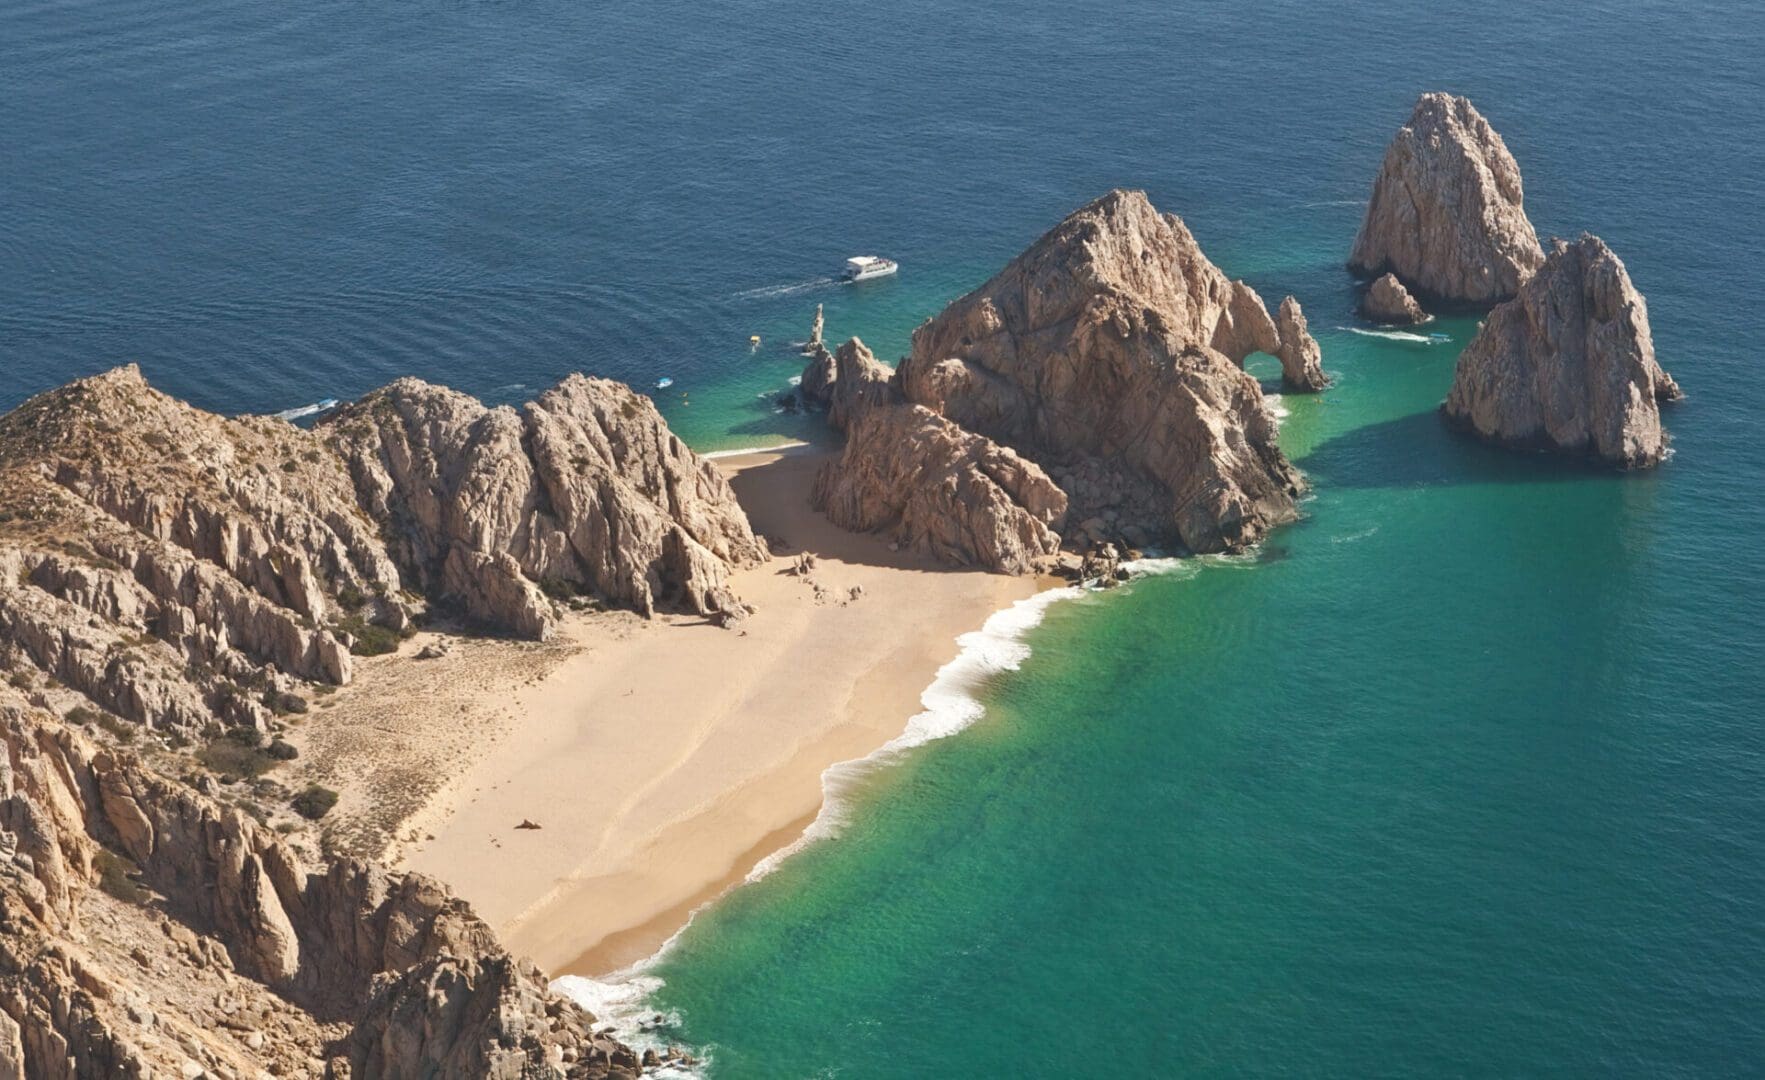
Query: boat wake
(1398, 335)
(767, 292)
(314, 409)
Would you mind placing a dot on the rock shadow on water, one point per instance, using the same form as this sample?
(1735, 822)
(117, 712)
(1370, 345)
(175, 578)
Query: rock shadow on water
(1422, 449)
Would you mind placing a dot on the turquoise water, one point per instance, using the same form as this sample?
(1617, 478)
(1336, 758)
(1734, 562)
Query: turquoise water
(1461, 775)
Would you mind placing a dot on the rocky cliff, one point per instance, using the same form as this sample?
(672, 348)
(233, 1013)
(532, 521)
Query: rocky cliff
(147, 931)
(172, 586)
(582, 491)
(1387, 301)
(1568, 365)
(1109, 352)
(1447, 213)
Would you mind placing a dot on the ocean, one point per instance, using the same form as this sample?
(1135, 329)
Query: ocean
(1464, 774)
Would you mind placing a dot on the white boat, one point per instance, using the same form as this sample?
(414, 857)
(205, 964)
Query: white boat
(865, 267)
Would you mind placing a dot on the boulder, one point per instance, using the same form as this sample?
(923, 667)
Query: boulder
(1388, 302)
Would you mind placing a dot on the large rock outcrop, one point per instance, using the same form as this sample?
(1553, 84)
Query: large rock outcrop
(1447, 213)
(1110, 352)
(847, 382)
(1387, 301)
(582, 490)
(1568, 365)
(185, 571)
(257, 964)
(941, 491)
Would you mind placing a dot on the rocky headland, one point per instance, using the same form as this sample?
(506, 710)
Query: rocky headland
(1093, 390)
(1568, 365)
(1447, 214)
(174, 586)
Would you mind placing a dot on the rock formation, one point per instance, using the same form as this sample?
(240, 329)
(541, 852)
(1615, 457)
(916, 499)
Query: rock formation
(147, 931)
(815, 331)
(941, 491)
(1568, 365)
(1447, 214)
(1109, 352)
(584, 490)
(1302, 362)
(182, 571)
(1387, 301)
(175, 582)
(847, 382)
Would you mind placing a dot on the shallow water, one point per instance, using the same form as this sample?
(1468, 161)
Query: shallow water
(1460, 775)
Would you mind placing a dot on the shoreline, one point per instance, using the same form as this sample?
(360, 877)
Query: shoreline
(667, 762)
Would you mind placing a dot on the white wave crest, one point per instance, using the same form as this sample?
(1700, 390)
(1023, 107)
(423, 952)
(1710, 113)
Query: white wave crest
(622, 1002)
(1277, 406)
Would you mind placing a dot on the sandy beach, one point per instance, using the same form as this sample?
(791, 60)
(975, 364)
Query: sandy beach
(661, 760)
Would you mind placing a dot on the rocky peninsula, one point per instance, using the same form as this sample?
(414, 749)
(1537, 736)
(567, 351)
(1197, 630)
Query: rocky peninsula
(1447, 214)
(1093, 390)
(1568, 365)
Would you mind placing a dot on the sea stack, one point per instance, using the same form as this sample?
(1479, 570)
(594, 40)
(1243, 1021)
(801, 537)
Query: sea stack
(1447, 213)
(1105, 359)
(1568, 365)
(1388, 302)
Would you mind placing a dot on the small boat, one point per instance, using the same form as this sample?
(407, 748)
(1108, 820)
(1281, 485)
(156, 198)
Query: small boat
(753, 341)
(865, 267)
(1438, 336)
(663, 384)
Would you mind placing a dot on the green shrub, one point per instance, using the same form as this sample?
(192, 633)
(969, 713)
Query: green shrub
(350, 598)
(21, 680)
(315, 802)
(81, 715)
(116, 876)
(283, 751)
(291, 703)
(371, 640)
(232, 760)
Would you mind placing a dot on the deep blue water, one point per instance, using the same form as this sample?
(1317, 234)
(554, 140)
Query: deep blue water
(1461, 776)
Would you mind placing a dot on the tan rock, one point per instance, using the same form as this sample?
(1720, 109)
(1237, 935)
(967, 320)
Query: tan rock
(848, 382)
(1387, 301)
(1102, 342)
(936, 489)
(1568, 365)
(1447, 213)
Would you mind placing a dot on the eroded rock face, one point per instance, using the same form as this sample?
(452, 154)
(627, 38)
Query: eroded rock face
(1447, 214)
(1113, 338)
(583, 490)
(847, 382)
(384, 974)
(1387, 301)
(1568, 365)
(184, 571)
(941, 491)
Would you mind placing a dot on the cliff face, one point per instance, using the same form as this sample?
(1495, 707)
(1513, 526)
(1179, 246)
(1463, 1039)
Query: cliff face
(170, 578)
(181, 570)
(583, 490)
(1110, 350)
(1447, 213)
(1568, 365)
(212, 951)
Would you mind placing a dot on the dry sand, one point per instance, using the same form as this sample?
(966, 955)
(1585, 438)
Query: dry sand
(663, 759)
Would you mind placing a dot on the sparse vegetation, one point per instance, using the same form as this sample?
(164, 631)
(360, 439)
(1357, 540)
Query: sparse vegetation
(21, 680)
(235, 756)
(81, 715)
(282, 751)
(116, 876)
(315, 802)
(350, 598)
(369, 639)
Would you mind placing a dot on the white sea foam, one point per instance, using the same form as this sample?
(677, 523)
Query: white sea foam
(308, 410)
(622, 1002)
(1393, 335)
(1333, 202)
(784, 447)
(1277, 406)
